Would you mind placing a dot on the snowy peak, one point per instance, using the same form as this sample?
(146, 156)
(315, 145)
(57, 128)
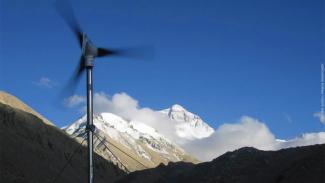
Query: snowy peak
(115, 125)
(177, 107)
(189, 126)
(180, 114)
(141, 141)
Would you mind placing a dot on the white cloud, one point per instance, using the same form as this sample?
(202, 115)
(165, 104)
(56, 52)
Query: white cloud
(45, 82)
(320, 116)
(74, 101)
(303, 140)
(247, 131)
(230, 136)
(288, 118)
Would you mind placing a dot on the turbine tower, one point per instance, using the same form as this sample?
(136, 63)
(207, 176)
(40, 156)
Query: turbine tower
(86, 63)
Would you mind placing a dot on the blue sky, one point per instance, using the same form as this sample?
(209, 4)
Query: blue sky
(219, 59)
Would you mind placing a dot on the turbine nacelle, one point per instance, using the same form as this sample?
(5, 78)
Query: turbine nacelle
(89, 51)
(88, 48)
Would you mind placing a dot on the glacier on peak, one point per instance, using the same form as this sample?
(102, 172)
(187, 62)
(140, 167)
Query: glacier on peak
(189, 126)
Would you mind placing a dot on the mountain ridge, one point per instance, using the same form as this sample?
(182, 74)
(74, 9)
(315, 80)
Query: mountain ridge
(244, 165)
(14, 102)
(137, 139)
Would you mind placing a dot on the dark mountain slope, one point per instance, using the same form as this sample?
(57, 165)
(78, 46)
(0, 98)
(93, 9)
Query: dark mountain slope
(246, 165)
(32, 151)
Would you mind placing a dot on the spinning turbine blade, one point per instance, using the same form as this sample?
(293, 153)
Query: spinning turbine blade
(81, 68)
(141, 52)
(77, 74)
(102, 52)
(64, 8)
(70, 87)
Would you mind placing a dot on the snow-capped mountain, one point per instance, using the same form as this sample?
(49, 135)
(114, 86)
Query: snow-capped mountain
(189, 126)
(130, 144)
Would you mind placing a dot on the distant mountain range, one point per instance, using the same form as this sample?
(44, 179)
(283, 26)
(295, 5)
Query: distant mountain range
(146, 146)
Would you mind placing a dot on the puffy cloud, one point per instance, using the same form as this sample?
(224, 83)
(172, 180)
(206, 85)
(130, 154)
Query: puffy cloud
(247, 131)
(74, 100)
(303, 140)
(231, 136)
(320, 116)
(45, 82)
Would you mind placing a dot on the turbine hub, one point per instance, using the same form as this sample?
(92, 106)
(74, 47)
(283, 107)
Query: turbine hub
(88, 48)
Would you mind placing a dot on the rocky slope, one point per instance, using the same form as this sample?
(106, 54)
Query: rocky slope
(246, 165)
(33, 150)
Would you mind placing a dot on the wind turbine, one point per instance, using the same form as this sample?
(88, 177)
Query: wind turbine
(86, 63)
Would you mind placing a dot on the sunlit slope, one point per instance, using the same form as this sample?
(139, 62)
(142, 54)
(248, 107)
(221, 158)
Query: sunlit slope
(12, 101)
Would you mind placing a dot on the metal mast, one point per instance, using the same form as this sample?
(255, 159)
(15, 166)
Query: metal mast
(90, 127)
